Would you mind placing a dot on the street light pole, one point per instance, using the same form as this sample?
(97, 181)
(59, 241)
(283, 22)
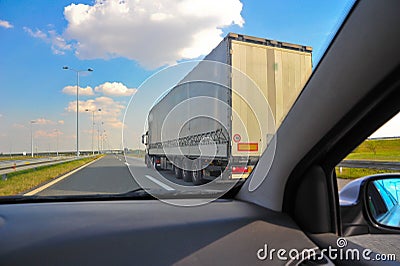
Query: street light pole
(99, 137)
(102, 137)
(32, 122)
(93, 111)
(77, 113)
(77, 103)
(57, 132)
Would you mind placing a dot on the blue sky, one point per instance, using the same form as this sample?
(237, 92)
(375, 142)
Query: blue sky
(124, 47)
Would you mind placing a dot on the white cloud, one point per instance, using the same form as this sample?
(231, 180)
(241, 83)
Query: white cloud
(16, 125)
(114, 122)
(110, 113)
(38, 121)
(390, 129)
(36, 34)
(107, 88)
(114, 89)
(43, 121)
(61, 122)
(83, 105)
(152, 33)
(58, 43)
(5, 24)
(71, 90)
(47, 134)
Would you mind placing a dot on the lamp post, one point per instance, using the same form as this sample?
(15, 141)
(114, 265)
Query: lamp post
(77, 103)
(103, 138)
(99, 136)
(93, 111)
(57, 133)
(32, 122)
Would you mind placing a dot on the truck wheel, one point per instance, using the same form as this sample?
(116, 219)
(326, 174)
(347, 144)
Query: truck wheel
(197, 174)
(178, 172)
(154, 163)
(147, 161)
(197, 177)
(187, 175)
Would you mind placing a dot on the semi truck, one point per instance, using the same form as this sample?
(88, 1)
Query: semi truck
(220, 117)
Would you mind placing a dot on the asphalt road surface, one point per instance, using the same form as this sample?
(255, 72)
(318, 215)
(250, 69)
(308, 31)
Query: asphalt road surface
(107, 175)
(139, 170)
(111, 175)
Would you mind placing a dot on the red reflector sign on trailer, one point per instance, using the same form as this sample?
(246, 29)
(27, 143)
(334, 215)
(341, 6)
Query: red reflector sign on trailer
(247, 146)
(239, 169)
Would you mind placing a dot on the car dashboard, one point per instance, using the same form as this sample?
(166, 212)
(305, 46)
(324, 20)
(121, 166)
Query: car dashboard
(144, 232)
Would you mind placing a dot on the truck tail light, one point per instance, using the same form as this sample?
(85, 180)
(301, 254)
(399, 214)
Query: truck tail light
(239, 169)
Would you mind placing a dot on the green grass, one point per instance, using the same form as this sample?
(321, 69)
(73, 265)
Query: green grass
(21, 181)
(371, 150)
(377, 150)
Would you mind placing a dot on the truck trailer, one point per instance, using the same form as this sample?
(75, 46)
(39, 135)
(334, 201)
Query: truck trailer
(218, 120)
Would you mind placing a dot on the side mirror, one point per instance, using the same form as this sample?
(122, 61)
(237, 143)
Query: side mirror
(144, 138)
(371, 205)
(383, 201)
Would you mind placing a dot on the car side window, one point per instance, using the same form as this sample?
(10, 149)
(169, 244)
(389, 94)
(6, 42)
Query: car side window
(378, 154)
(371, 174)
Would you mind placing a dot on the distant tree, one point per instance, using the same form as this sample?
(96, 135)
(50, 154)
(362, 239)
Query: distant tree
(371, 145)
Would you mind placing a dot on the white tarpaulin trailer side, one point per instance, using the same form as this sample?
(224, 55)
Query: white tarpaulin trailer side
(236, 97)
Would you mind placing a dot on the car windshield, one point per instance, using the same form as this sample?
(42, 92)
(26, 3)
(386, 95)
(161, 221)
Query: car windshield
(120, 98)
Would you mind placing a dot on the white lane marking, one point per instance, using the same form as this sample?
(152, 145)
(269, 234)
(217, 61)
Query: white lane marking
(33, 192)
(158, 182)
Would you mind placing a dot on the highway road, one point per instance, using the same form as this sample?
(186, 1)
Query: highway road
(106, 175)
(111, 175)
(139, 169)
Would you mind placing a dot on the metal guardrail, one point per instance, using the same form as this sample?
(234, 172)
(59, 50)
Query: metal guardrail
(24, 166)
(13, 165)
